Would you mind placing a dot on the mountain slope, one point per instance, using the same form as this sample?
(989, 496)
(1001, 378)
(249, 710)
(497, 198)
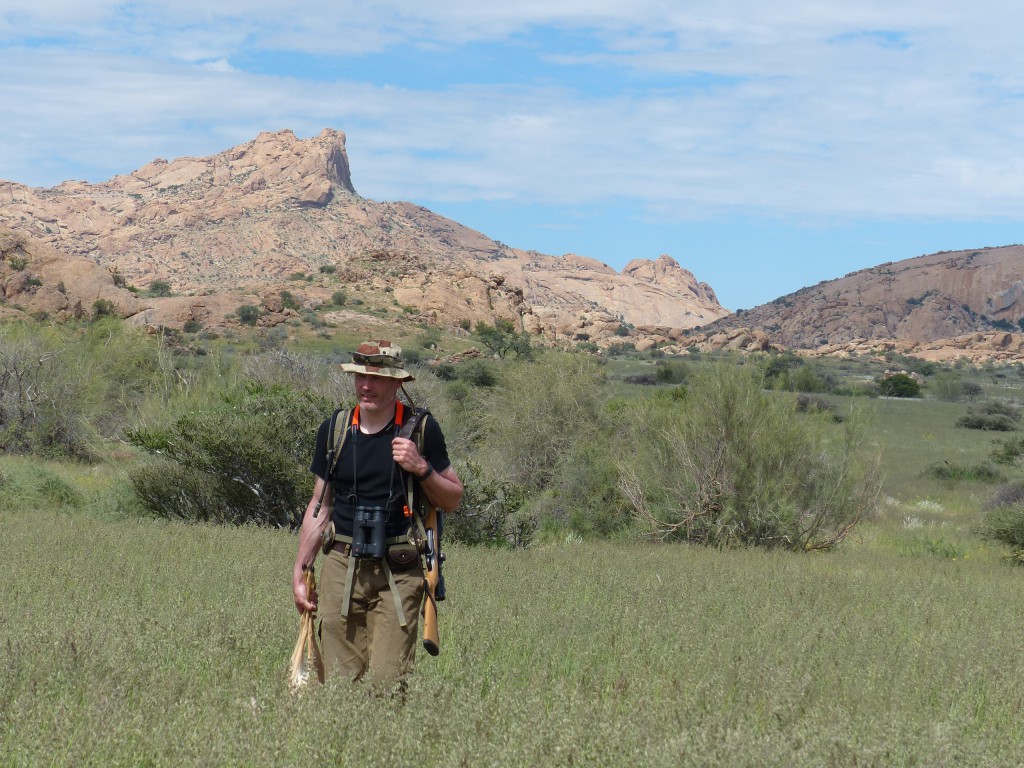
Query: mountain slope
(939, 306)
(282, 213)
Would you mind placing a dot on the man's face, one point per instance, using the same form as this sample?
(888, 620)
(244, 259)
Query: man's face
(376, 393)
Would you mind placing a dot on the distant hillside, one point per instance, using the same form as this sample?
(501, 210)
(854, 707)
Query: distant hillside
(280, 213)
(938, 306)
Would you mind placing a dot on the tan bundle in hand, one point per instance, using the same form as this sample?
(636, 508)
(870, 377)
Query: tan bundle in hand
(306, 659)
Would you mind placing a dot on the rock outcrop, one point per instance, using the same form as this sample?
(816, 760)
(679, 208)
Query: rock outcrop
(942, 307)
(38, 281)
(280, 213)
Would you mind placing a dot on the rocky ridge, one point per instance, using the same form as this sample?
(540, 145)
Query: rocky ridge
(941, 307)
(281, 213)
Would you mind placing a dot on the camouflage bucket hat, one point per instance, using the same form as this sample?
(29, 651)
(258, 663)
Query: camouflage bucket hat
(378, 358)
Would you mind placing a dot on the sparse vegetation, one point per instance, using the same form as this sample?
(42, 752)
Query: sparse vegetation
(991, 416)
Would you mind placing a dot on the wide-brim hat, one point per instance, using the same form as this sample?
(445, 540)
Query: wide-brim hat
(378, 358)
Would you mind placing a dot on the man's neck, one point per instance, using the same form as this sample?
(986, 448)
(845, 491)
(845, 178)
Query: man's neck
(371, 422)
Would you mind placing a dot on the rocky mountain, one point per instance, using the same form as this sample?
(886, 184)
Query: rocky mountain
(281, 214)
(941, 306)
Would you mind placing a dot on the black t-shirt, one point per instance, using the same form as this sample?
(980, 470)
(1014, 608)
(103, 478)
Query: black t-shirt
(366, 475)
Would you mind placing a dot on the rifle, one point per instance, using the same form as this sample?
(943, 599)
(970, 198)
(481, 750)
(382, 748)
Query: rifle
(430, 547)
(433, 557)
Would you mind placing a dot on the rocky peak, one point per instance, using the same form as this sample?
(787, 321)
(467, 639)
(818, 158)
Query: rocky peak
(252, 218)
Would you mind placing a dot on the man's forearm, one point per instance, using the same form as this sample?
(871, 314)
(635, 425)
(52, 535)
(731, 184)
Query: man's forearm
(444, 489)
(313, 527)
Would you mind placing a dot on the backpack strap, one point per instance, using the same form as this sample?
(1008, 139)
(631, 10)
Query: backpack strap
(334, 444)
(413, 429)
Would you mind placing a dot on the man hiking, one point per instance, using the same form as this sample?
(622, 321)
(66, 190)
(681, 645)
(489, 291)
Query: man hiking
(371, 581)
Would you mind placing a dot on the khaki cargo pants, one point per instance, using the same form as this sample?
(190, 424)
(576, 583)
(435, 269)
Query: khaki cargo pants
(369, 642)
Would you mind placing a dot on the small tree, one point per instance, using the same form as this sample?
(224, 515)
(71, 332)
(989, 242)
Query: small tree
(899, 385)
(159, 288)
(502, 338)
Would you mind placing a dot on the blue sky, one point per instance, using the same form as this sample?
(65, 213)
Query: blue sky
(764, 146)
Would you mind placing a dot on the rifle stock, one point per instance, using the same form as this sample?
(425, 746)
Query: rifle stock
(434, 581)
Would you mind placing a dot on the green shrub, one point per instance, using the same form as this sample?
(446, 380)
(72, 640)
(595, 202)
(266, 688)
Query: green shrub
(672, 372)
(899, 385)
(338, 298)
(159, 288)
(242, 459)
(541, 450)
(536, 420)
(948, 387)
(1003, 519)
(43, 395)
(945, 470)
(248, 314)
(103, 308)
(734, 465)
(478, 373)
(489, 510)
(1007, 452)
(992, 416)
(806, 379)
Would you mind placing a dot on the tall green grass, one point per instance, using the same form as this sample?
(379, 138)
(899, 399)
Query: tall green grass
(133, 642)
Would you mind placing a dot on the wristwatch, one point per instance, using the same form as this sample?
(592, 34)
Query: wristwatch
(428, 473)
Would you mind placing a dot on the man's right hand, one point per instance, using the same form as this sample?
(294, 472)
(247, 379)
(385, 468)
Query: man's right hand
(303, 602)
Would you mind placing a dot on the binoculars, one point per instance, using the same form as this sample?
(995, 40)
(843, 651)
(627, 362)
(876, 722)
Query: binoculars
(368, 532)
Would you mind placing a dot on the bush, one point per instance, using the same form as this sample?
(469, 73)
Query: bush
(288, 300)
(805, 379)
(899, 385)
(672, 372)
(103, 308)
(248, 314)
(43, 396)
(478, 373)
(159, 288)
(738, 466)
(240, 460)
(536, 420)
(993, 416)
(982, 472)
(948, 387)
(1007, 452)
(489, 511)
(542, 445)
(1003, 520)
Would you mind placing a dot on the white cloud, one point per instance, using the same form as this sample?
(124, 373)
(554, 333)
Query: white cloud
(794, 109)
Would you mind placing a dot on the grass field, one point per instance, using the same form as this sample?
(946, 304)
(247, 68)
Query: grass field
(128, 642)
